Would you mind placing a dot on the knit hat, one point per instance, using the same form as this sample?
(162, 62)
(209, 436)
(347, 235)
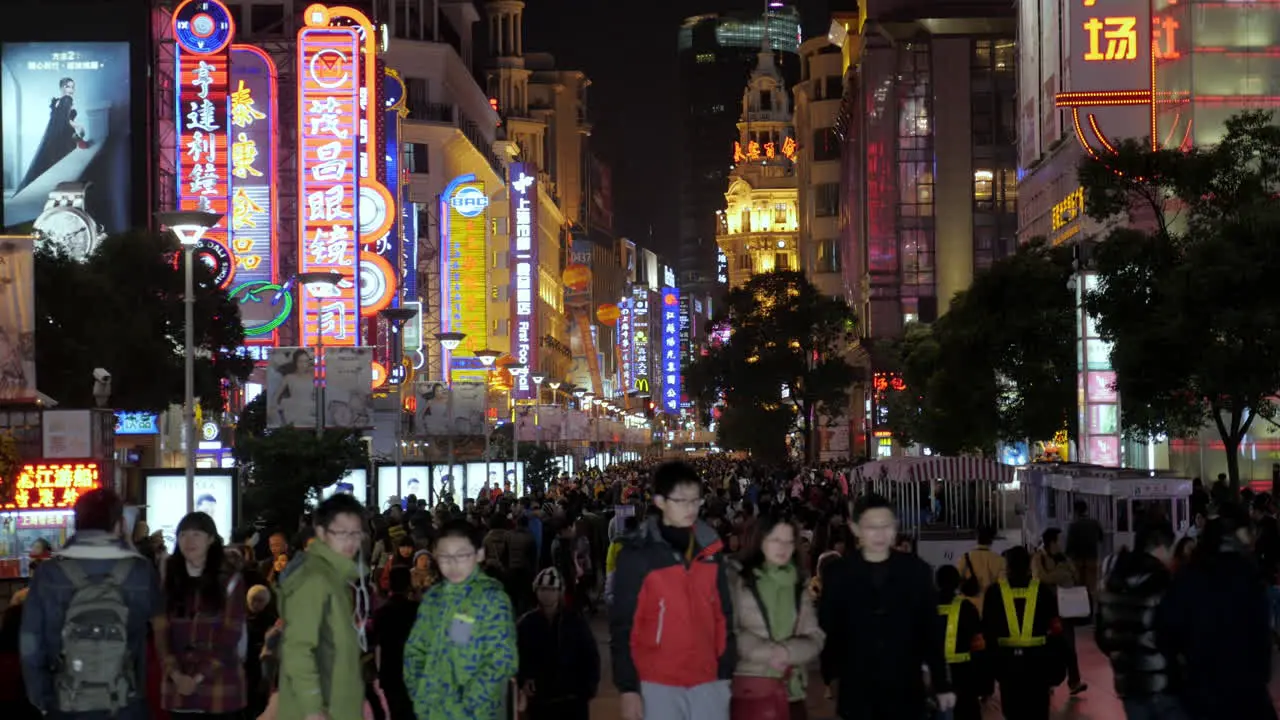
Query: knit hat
(548, 579)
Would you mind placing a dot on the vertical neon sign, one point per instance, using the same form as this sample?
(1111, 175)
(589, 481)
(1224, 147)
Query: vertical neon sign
(328, 129)
(523, 189)
(640, 340)
(203, 31)
(671, 350)
(253, 192)
(624, 344)
(464, 291)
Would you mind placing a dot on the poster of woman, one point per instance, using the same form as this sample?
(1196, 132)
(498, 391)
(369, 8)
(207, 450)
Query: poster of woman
(291, 387)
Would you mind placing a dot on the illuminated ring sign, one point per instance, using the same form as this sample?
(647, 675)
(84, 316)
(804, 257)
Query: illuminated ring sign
(376, 211)
(203, 27)
(254, 291)
(469, 201)
(377, 283)
(218, 259)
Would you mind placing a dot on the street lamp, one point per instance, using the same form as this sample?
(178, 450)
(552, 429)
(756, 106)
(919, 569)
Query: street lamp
(189, 226)
(537, 379)
(450, 342)
(487, 358)
(554, 385)
(515, 369)
(397, 317)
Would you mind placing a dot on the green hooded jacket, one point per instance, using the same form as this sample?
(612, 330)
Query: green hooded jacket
(320, 651)
(462, 651)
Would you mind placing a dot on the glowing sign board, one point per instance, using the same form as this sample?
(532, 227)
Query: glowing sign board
(625, 344)
(53, 486)
(464, 288)
(722, 267)
(328, 122)
(755, 151)
(203, 30)
(1099, 403)
(253, 191)
(1112, 74)
(137, 423)
(523, 189)
(671, 350)
(640, 337)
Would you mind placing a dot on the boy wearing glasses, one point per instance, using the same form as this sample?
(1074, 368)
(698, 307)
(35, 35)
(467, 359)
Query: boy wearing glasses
(320, 669)
(462, 650)
(673, 652)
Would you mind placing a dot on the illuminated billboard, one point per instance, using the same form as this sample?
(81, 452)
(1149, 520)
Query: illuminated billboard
(464, 291)
(66, 123)
(640, 341)
(523, 189)
(328, 131)
(1099, 403)
(671, 350)
(254, 186)
(624, 345)
(53, 486)
(203, 31)
(1112, 71)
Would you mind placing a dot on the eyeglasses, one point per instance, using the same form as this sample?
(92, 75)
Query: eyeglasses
(686, 502)
(454, 559)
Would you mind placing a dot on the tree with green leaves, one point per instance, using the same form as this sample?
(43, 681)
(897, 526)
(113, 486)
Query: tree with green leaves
(1000, 365)
(783, 365)
(122, 310)
(1187, 289)
(287, 466)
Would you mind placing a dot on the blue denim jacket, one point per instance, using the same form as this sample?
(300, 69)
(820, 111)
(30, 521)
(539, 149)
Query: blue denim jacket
(44, 611)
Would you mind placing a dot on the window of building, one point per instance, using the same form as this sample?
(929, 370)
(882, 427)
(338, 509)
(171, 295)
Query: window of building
(766, 100)
(981, 54)
(829, 256)
(746, 220)
(781, 261)
(780, 214)
(1009, 190)
(1003, 55)
(744, 262)
(417, 158)
(417, 92)
(826, 145)
(826, 200)
(833, 87)
(983, 189)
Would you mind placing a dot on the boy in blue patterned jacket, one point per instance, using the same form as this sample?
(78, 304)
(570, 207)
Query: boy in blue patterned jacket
(461, 652)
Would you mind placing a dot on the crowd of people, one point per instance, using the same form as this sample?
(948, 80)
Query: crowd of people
(729, 590)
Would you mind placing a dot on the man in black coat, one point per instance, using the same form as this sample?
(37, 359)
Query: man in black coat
(559, 660)
(879, 612)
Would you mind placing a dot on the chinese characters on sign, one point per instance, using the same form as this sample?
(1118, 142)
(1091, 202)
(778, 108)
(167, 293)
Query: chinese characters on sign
(53, 486)
(464, 286)
(671, 351)
(766, 151)
(204, 157)
(253, 191)
(137, 423)
(640, 336)
(328, 120)
(624, 343)
(523, 189)
(1117, 35)
(722, 267)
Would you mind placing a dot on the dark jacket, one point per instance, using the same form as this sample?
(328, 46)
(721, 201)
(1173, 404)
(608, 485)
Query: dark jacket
(45, 611)
(973, 676)
(522, 553)
(670, 620)
(559, 655)
(1126, 625)
(1043, 665)
(1215, 616)
(881, 626)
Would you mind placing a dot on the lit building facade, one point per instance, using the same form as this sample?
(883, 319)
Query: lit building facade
(817, 109)
(929, 165)
(718, 53)
(759, 229)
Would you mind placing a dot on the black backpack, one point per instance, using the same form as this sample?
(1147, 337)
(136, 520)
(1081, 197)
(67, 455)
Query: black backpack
(970, 586)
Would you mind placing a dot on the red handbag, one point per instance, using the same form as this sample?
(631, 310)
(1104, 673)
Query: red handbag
(759, 698)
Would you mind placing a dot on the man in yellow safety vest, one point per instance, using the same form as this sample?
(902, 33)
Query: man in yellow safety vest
(963, 645)
(1021, 625)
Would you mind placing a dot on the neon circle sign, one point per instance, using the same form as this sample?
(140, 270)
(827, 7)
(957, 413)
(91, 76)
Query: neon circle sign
(469, 201)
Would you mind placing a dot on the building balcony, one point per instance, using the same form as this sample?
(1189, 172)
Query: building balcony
(442, 113)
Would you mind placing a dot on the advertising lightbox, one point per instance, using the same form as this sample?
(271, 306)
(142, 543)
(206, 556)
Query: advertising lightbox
(671, 351)
(414, 480)
(166, 502)
(464, 291)
(354, 483)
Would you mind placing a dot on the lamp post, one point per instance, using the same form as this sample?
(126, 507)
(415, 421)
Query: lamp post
(578, 394)
(450, 341)
(537, 379)
(396, 318)
(189, 226)
(554, 385)
(515, 369)
(318, 283)
(487, 358)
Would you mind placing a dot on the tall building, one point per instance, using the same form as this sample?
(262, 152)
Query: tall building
(817, 108)
(717, 55)
(931, 166)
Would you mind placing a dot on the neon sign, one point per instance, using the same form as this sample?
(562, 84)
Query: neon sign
(671, 350)
(253, 188)
(765, 151)
(328, 128)
(624, 343)
(203, 30)
(1112, 71)
(464, 296)
(722, 267)
(53, 486)
(469, 201)
(523, 189)
(137, 423)
(640, 336)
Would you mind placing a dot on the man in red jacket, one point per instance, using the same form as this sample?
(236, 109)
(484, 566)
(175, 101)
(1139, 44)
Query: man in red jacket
(672, 618)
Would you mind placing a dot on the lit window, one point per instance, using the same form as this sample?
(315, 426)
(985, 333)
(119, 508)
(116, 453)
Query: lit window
(982, 185)
(780, 213)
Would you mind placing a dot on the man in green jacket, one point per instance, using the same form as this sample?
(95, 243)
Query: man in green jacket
(461, 652)
(320, 676)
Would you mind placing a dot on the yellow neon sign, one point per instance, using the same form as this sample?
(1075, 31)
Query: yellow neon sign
(766, 151)
(243, 213)
(244, 153)
(1121, 34)
(243, 112)
(1068, 209)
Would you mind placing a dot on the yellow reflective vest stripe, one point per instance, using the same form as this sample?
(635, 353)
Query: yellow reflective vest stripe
(951, 612)
(1020, 632)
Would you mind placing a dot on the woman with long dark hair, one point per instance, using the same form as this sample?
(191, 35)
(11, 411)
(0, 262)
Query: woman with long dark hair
(206, 609)
(775, 623)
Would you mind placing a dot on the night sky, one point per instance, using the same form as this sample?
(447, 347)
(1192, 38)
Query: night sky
(628, 49)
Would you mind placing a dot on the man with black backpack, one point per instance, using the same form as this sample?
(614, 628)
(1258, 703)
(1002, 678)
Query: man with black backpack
(84, 628)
